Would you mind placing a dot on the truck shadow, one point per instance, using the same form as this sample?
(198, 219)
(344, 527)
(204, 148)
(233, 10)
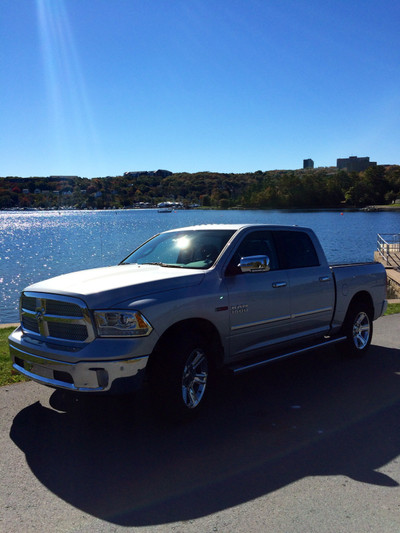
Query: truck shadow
(312, 416)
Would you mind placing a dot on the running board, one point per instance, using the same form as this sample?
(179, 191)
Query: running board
(243, 367)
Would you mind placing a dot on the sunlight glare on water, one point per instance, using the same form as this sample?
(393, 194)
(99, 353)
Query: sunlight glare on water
(41, 245)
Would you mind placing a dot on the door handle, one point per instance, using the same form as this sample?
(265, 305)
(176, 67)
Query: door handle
(322, 279)
(279, 284)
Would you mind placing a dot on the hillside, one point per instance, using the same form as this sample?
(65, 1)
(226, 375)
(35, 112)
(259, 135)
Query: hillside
(310, 188)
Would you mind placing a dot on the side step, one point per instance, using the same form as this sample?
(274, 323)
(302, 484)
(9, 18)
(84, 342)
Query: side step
(249, 365)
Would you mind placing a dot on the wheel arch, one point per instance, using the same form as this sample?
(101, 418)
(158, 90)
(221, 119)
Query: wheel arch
(357, 331)
(362, 298)
(190, 326)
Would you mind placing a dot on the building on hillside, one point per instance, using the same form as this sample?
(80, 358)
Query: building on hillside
(355, 164)
(308, 163)
(137, 173)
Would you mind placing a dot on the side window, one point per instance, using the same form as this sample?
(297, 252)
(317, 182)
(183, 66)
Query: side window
(295, 249)
(256, 243)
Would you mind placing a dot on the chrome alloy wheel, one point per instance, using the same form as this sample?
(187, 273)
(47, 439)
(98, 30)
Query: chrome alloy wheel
(361, 330)
(194, 378)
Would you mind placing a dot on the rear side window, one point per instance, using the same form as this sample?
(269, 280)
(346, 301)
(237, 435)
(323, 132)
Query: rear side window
(295, 249)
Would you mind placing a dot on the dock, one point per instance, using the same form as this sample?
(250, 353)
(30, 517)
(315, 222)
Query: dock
(388, 253)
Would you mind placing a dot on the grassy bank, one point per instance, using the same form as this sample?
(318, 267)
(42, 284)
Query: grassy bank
(8, 375)
(393, 309)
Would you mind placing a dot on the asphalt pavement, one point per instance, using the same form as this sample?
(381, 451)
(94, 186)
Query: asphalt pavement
(306, 445)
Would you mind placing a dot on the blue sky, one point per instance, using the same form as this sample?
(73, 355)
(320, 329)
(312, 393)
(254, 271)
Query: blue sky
(100, 87)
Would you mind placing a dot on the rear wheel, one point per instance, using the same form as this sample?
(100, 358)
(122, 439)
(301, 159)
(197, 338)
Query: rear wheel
(358, 329)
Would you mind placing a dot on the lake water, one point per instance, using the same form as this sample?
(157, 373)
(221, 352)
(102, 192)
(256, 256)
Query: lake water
(39, 244)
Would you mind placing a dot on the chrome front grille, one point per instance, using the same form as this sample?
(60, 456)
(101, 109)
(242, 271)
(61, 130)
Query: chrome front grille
(30, 323)
(54, 307)
(73, 332)
(28, 303)
(56, 317)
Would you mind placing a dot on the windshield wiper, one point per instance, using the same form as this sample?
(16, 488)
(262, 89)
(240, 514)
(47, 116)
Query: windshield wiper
(159, 263)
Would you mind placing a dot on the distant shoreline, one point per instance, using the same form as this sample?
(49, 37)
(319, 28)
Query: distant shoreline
(369, 208)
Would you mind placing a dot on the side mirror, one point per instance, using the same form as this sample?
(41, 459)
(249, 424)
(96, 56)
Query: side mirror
(254, 263)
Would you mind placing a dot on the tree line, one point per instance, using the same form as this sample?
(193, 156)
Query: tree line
(308, 188)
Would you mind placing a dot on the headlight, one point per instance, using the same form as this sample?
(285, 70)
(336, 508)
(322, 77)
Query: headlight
(121, 324)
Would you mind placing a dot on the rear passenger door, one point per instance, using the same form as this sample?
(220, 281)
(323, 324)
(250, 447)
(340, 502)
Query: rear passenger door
(312, 288)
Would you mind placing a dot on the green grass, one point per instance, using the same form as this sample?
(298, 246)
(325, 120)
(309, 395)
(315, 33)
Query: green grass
(393, 309)
(8, 375)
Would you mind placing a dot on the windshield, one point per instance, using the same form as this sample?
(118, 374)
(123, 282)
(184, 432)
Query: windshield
(181, 249)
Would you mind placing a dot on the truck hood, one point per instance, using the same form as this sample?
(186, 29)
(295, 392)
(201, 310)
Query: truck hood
(106, 287)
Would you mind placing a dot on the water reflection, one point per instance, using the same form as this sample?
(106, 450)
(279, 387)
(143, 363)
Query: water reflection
(39, 245)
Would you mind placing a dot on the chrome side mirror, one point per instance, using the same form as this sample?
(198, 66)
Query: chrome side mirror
(254, 263)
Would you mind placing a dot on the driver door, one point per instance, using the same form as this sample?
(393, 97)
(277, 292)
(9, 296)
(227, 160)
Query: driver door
(259, 302)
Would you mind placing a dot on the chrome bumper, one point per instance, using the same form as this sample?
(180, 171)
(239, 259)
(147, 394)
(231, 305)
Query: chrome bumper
(92, 376)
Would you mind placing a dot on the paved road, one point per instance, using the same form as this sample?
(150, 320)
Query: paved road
(306, 445)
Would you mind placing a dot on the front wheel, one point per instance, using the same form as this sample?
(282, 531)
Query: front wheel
(180, 376)
(194, 378)
(358, 329)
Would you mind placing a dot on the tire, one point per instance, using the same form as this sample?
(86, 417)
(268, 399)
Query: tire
(358, 328)
(180, 376)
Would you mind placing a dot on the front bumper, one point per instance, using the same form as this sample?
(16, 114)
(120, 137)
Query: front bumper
(84, 376)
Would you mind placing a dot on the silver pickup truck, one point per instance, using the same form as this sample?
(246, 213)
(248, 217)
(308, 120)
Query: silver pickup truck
(192, 300)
